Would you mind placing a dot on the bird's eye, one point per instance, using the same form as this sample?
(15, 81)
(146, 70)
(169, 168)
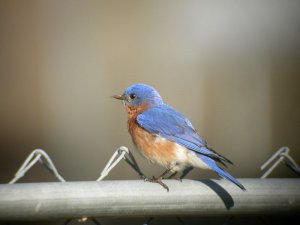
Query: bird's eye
(132, 96)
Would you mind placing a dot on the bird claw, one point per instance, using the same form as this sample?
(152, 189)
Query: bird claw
(155, 180)
(159, 181)
(174, 178)
(179, 179)
(146, 179)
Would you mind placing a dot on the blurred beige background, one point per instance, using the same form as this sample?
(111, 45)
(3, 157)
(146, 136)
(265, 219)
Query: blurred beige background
(231, 68)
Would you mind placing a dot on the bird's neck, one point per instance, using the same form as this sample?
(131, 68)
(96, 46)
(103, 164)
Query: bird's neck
(134, 111)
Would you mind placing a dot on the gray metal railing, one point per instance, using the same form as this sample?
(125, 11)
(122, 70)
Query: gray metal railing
(35, 201)
(88, 200)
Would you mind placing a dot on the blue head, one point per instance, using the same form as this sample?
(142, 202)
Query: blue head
(140, 94)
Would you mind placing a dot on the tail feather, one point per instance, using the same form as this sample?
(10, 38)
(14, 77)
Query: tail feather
(218, 157)
(227, 176)
(212, 164)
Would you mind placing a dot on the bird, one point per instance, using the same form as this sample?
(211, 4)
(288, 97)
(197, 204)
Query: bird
(166, 137)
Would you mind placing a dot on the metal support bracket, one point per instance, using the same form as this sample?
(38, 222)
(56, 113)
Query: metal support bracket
(38, 155)
(281, 155)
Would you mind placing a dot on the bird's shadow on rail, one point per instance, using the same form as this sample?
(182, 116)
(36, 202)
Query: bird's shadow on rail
(220, 191)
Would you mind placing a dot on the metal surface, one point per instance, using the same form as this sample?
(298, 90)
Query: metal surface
(35, 201)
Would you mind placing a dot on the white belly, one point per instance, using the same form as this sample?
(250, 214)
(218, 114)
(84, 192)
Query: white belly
(186, 158)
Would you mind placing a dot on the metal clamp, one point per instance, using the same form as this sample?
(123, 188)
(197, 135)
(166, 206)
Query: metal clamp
(121, 153)
(282, 155)
(38, 155)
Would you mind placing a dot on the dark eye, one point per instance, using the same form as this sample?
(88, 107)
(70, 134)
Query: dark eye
(132, 96)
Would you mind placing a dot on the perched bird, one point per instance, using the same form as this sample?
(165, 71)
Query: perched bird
(165, 137)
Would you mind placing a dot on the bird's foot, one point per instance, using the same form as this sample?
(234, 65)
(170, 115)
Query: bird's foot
(172, 176)
(143, 177)
(177, 178)
(158, 181)
(155, 180)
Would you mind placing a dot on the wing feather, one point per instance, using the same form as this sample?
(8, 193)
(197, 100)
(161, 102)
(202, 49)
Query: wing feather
(172, 125)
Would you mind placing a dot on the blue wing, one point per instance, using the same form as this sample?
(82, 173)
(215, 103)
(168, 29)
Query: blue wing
(172, 125)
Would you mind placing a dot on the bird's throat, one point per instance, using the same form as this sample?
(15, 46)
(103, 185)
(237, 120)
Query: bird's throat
(134, 111)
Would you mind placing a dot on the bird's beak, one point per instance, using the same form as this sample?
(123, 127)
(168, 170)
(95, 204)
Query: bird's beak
(119, 97)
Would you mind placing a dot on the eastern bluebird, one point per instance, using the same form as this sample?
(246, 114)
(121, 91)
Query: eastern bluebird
(165, 137)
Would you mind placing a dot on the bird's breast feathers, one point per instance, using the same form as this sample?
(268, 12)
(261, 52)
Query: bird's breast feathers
(160, 150)
(153, 147)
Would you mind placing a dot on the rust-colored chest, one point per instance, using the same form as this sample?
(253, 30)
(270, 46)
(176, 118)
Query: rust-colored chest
(152, 146)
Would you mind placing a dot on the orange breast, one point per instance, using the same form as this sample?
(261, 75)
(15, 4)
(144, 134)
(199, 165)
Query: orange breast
(155, 148)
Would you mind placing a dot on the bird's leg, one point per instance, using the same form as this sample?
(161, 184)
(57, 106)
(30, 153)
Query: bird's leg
(164, 173)
(172, 175)
(185, 172)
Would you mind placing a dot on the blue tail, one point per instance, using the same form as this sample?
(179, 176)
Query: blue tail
(212, 164)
